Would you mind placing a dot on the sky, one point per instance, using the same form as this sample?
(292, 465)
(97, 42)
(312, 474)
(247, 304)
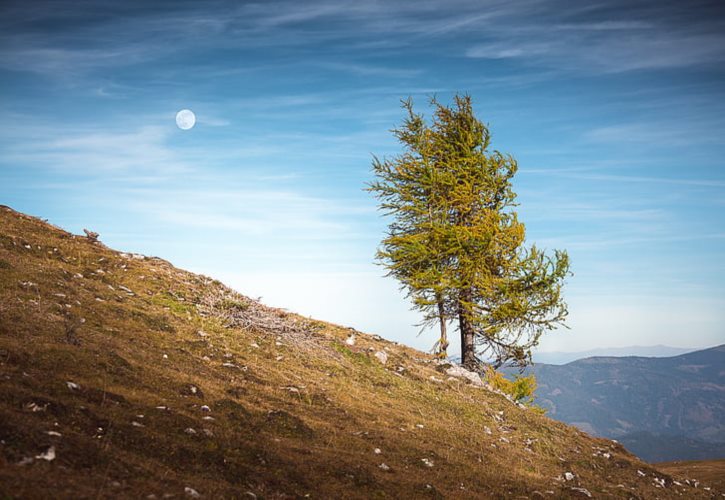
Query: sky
(615, 111)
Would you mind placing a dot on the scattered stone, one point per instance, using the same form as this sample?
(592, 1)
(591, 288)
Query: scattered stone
(191, 492)
(640, 473)
(91, 235)
(165, 356)
(205, 408)
(255, 345)
(190, 431)
(427, 462)
(385, 467)
(350, 340)
(568, 476)
(487, 430)
(382, 357)
(73, 386)
(137, 424)
(460, 372)
(48, 454)
(54, 433)
(583, 491)
(35, 407)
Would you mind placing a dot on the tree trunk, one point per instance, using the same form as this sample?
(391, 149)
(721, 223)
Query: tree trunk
(468, 355)
(443, 341)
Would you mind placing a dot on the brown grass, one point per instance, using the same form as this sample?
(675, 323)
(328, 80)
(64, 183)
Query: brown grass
(295, 411)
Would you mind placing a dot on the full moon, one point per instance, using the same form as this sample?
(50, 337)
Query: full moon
(185, 119)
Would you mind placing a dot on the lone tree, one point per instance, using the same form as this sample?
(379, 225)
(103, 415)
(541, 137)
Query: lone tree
(456, 244)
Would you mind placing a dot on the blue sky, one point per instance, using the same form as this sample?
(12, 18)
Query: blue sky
(615, 111)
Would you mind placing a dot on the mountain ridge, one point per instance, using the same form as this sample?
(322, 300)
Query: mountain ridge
(662, 408)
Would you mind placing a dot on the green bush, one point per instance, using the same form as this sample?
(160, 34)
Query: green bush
(521, 389)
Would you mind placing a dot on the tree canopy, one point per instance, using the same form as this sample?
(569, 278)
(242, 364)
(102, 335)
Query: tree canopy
(455, 242)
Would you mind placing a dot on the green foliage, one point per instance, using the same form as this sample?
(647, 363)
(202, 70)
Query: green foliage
(455, 243)
(174, 305)
(521, 388)
(356, 357)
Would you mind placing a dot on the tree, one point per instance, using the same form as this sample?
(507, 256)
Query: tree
(456, 244)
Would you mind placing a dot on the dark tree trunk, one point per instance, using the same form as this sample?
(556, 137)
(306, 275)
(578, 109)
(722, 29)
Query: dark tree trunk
(468, 355)
(443, 341)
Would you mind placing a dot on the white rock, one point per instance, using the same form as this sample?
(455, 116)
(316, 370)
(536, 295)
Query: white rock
(350, 340)
(73, 386)
(584, 491)
(568, 476)
(384, 467)
(54, 433)
(191, 492)
(189, 430)
(205, 408)
(377, 451)
(460, 372)
(427, 462)
(48, 454)
(382, 356)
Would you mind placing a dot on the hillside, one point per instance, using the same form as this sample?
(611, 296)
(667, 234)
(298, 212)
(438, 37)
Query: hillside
(122, 376)
(660, 408)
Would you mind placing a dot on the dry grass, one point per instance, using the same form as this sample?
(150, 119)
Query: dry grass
(295, 411)
(708, 472)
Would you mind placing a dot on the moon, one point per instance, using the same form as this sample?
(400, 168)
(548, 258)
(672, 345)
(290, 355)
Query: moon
(185, 119)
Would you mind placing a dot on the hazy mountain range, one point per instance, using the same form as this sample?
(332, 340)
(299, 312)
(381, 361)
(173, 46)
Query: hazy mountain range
(670, 408)
(656, 351)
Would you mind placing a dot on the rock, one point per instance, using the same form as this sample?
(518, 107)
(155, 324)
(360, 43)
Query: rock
(205, 408)
(48, 454)
(92, 236)
(54, 433)
(460, 372)
(382, 357)
(384, 467)
(583, 491)
(568, 476)
(377, 451)
(190, 431)
(427, 462)
(350, 340)
(191, 492)
(73, 386)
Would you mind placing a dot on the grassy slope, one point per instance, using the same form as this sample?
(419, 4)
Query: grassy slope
(295, 411)
(710, 472)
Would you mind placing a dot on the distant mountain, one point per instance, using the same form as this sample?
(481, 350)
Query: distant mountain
(664, 408)
(656, 351)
